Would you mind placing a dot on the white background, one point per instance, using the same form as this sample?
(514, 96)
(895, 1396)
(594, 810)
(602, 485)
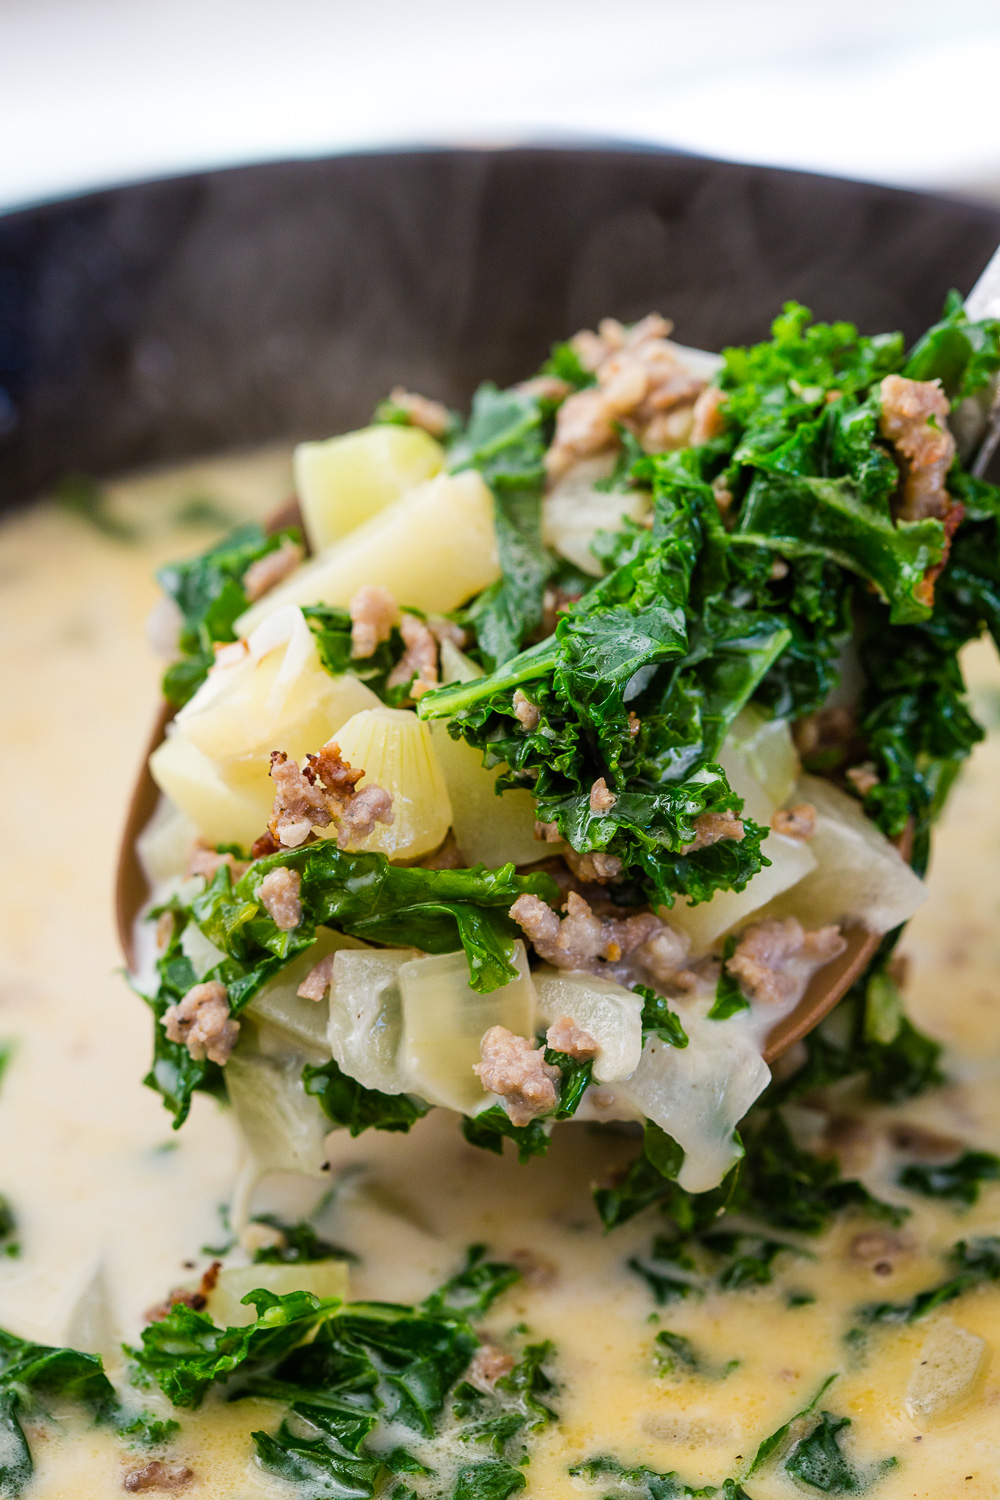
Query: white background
(101, 91)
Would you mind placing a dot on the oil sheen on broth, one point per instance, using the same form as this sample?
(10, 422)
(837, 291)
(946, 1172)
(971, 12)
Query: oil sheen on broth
(113, 1209)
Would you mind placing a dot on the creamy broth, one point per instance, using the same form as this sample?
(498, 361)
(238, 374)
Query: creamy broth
(113, 1208)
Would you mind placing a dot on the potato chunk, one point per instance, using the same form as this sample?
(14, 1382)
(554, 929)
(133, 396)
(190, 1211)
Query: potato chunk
(444, 1022)
(394, 748)
(346, 480)
(948, 1373)
(432, 549)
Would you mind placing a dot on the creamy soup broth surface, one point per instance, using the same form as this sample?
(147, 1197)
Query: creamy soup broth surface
(114, 1208)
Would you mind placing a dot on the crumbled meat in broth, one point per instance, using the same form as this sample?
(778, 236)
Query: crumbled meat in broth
(318, 980)
(419, 661)
(602, 799)
(774, 961)
(203, 1024)
(914, 418)
(371, 805)
(272, 568)
(279, 893)
(518, 1073)
(564, 1035)
(204, 860)
(708, 421)
(863, 778)
(158, 1474)
(713, 826)
(489, 1364)
(798, 822)
(193, 1297)
(597, 865)
(580, 939)
(433, 416)
(641, 383)
(299, 804)
(528, 713)
(373, 612)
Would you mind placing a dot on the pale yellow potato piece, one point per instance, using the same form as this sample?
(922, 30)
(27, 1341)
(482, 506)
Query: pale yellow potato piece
(366, 1016)
(282, 1126)
(394, 747)
(791, 861)
(488, 828)
(304, 1022)
(948, 1372)
(253, 713)
(217, 766)
(324, 1278)
(221, 813)
(574, 511)
(610, 1014)
(444, 1022)
(760, 762)
(346, 480)
(432, 549)
(859, 877)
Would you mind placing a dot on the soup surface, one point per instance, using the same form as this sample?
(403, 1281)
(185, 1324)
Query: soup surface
(113, 1208)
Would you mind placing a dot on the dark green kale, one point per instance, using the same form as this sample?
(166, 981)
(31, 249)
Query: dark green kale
(729, 998)
(490, 1479)
(185, 1353)
(959, 1180)
(208, 590)
(972, 1263)
(505, 439)
(472, 1291)
(332, 629)
(776, 1182)
(438, 911)
(300, 1243)
(9, 1243)
(961, 354)
(658, 1019)
(659, 641)
(356, 1108)
(676, 1355)
(813, 1455)
(649, 1485)
(818, 1460)
(513, 1406)
(32, 1374)
(146, 1431)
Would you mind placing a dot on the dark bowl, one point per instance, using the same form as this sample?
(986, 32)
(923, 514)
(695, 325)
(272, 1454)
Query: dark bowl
(169, 319)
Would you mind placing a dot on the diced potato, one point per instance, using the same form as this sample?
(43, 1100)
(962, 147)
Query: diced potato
(324, 1278)
(487, 828)
(433, 549)
(791, 861)
(948, 1372)
(761, 762)
(366, 1016)
(304, 1022)
(283, 1127)
(220, 813)
(270, 703)
(347, 480)
(575, 511)
(278, 696)
(456, 666)
(859, 877)
(200, 950)
(164, 845)
(444, 1021)
(611, 1014)
(698, 1094)
(397, 753)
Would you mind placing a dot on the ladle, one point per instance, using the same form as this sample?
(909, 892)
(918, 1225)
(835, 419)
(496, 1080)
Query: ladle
(977, 428)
